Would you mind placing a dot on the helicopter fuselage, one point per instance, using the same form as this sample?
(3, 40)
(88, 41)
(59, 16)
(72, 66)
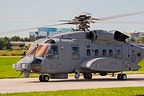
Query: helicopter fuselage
(78, 52)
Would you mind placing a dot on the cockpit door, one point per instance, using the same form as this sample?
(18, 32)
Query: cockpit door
(52, 59)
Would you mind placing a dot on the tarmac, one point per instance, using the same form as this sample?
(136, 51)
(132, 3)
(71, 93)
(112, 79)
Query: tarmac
(33, 84)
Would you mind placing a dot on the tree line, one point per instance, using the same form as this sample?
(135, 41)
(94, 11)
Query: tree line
(5, 41)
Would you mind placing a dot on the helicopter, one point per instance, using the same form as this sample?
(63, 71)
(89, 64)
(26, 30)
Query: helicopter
(81, 51)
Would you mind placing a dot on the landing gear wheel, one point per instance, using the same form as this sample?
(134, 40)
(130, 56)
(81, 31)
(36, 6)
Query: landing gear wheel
(119, 76)
(46, 78)
(122, 77)
(87, 76)
(41, 79)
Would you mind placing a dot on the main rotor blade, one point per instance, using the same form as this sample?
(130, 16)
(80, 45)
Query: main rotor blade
(119, 16)
(74, 21)
(32, 28)
(19, 30)
(121, 22)
(84, 13)
(26, 19)
(64, 20)
(59, 24)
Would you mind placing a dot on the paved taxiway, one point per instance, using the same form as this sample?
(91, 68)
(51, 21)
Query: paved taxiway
(33, 84)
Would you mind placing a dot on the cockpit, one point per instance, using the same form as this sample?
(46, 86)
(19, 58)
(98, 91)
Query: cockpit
(48, 50)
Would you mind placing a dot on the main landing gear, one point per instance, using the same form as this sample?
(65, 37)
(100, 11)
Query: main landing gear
(87, 75)
(122, 76)
(44, 78)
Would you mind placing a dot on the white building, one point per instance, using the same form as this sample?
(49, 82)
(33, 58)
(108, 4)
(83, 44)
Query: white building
(136, 34)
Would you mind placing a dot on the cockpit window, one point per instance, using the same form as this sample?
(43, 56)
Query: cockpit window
(50, 41)
(31, 50)
(40, 51)
(53, 52)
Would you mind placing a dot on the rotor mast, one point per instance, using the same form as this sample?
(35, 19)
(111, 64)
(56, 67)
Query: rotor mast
(82, 21)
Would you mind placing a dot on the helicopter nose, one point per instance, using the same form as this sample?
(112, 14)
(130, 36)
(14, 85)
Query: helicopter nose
(23, 65)
(29, 64)
(36, 64)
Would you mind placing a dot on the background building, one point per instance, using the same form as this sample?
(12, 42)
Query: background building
(19, 44)
(45, 32)
(137, 36)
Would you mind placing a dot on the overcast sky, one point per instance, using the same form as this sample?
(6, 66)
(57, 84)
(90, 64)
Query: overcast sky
(21, 14)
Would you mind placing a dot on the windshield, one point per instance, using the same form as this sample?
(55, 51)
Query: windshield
(31, 50)
(40, 51)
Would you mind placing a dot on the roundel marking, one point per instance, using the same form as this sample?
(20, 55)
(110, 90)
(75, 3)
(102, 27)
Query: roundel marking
(133, 58)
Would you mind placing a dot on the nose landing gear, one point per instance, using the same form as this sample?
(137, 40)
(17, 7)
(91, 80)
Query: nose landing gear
(44, 78)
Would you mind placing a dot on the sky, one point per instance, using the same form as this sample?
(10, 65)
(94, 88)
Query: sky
(23, 14)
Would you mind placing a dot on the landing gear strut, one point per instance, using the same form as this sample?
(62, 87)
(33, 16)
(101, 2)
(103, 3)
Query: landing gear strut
(87, 75)
(77, 74)
(122, 76)
(43, 78)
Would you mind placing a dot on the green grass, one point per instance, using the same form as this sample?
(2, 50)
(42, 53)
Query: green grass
(6, 70)
(125, 91)
(142, 65)
(12, 52)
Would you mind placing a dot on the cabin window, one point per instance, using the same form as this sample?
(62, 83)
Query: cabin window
(139, 54)
(110, 52)
(87, 46)
(75, 52)
(51, 41)
(104, 53)
(118, 52)
(88, 52)
(96, 52)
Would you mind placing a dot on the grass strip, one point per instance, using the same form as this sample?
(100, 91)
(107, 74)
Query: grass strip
(123, 91)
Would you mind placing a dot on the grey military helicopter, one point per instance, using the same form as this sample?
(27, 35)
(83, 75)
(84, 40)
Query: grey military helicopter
(81, 51)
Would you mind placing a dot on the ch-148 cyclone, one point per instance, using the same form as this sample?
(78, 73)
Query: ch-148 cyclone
(81, 51)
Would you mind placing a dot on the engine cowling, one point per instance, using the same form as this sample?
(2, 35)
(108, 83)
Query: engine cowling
(106, 36)
(118, 36)
(92, 35)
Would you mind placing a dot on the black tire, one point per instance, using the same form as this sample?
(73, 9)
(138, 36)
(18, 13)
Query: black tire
(41, 79)
(124, 77)
(87, 76)
(84, 75)
(46, 78)
(119, 76)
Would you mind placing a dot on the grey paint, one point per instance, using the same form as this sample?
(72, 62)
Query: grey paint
(124, 57)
